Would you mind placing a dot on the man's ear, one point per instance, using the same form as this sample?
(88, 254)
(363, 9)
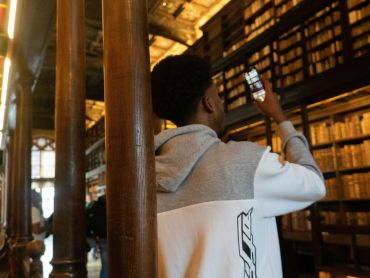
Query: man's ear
(208, 104)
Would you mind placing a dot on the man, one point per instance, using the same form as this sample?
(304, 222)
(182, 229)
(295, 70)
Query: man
(96, 224)
(217, 201)
(39, 227)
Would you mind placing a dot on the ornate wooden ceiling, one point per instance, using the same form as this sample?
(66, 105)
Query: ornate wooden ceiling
(174, 25)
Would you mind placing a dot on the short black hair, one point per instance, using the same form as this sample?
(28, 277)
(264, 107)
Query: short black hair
(178, 84)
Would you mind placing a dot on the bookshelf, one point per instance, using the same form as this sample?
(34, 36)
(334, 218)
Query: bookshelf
(359, 20)
(95, 133)
(339, 132)
(235, 93)
(289, 65)
(323, 39)
(290, 42)
(316, 54)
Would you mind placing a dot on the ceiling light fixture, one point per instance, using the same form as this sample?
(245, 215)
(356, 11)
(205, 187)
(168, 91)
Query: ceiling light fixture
(4, 90)
(11, 23)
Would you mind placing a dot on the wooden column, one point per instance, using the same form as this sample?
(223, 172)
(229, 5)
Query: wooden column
(20, 180)
(131, 188)
(69, 258)
(315, 217)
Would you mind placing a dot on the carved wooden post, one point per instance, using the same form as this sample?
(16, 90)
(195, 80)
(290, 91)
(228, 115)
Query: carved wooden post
(131, 189)
(20, 180)
(35, 249)
(69, 216)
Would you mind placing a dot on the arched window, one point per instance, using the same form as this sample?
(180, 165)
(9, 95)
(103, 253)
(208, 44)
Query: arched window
(43, 171)
(43, 158)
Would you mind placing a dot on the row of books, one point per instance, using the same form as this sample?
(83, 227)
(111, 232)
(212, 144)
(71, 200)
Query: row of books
(332, 189)
(358, 218)
(358, 14)
(322, 38)
(356, 155)
(290, 79)
(361, 38)
(253, 30)
(265, 51)
(362, 42)
(234, 47)
(290, 55)
(352, 126)
(300, 220)
(236, 91)
(361, 29)
(361, 52)
(263, 64)
(278, 7)
(234, 71)
(236, 103)
(329, 217)
(237, 79)
(267, 73)
(321, 133)
(328, 51)
(324, 22)
(96, 158)
(297, 221)
(324, 159)
(254, 7)
(326, 18)
(268, 17)
(261, 20)
(356, 185)
(297, 64)
(290, 39)
(323, 65)
(281, 6)
(218, 80)
(95, 132)
(353, 3)
(287, 6)
(351, 218)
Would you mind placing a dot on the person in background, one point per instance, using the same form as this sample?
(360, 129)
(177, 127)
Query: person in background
(217, 201)
(39, 227)
(96, 223)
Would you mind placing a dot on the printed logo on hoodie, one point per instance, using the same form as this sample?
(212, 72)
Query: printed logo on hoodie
(247, 249)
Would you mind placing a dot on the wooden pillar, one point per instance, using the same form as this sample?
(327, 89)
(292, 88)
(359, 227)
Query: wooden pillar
(69, 258)
(8, 177)
(131, 188)
(20, 180)
(315, 217)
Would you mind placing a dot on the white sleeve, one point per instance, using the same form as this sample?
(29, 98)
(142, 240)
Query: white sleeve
(36, 217)
(284, 187)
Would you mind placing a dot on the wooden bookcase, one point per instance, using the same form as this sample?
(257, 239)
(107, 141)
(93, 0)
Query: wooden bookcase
(317, 56)
(339, 132)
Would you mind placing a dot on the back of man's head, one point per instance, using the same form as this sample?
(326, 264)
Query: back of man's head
(178, 84)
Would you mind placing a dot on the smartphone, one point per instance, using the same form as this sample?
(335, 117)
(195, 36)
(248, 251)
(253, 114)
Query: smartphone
(255, 85)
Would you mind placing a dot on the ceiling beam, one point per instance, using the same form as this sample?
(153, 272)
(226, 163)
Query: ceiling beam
(166, 32)
(153, 4)
(32, 34)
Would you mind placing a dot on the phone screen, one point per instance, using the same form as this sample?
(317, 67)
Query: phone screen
(255, 85)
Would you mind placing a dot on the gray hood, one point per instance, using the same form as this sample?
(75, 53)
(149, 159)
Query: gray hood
(177, 151)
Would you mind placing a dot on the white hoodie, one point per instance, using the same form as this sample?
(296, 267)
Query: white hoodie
(217, 201)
